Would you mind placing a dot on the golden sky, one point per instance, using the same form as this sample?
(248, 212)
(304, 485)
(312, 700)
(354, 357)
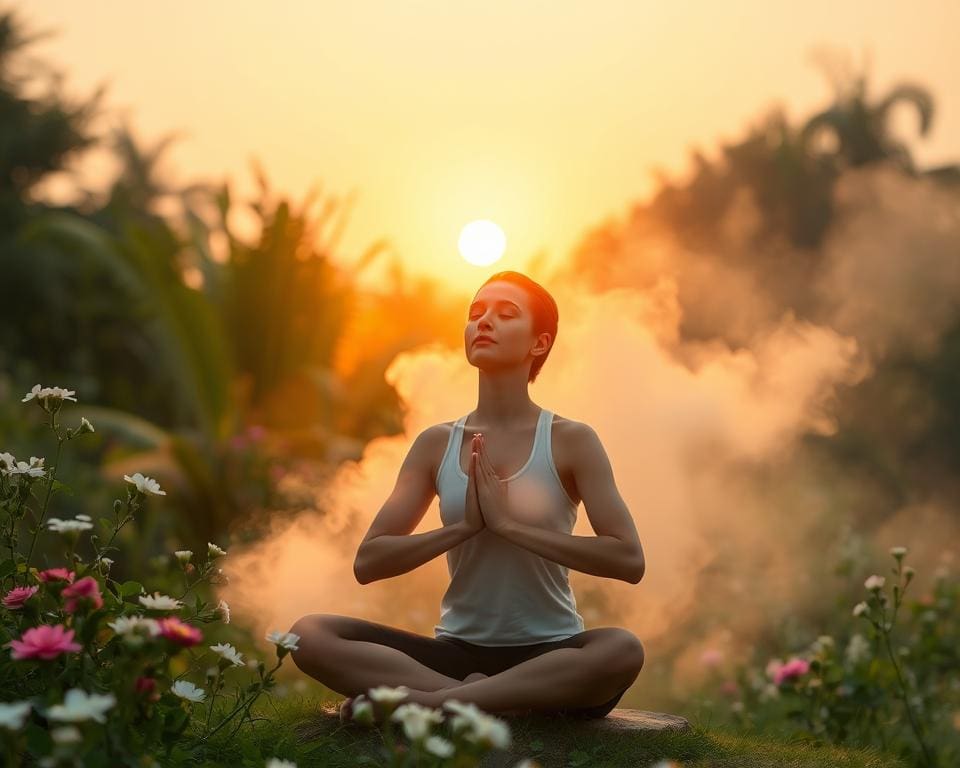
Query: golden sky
(546, 117)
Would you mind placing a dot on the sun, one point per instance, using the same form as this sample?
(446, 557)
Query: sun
(481, 242)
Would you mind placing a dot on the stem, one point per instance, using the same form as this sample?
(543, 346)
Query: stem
(917, 730)
(244, 703)
(213, 695)
(46, 500)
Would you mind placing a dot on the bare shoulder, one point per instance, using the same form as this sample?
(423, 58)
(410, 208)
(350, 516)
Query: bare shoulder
(434, 442)
(573, 433)
(571, 444)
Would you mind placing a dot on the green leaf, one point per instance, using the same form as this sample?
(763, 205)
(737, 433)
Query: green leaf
(7, 567)
(107, 523)
(58, 486)
(130, 588)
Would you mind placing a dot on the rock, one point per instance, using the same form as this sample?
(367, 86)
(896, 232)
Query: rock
(638, 720)
(549, 739)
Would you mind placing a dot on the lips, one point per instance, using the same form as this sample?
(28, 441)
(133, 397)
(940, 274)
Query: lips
(480, 339)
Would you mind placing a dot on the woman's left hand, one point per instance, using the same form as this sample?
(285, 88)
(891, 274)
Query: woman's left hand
(492, 493)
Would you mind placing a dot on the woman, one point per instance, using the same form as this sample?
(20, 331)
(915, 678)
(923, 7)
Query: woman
(510, 639)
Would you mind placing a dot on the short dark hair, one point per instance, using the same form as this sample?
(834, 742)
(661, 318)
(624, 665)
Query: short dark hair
(545, 313)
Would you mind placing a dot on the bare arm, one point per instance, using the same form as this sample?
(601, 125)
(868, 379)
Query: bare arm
(389, 548)
(615, 552)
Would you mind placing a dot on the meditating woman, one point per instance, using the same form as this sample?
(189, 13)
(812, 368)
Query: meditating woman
(510, 639)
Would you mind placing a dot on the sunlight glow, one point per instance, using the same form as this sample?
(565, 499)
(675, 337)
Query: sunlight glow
(481, 242)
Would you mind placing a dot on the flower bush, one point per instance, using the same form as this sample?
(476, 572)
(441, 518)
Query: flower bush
(891, 682)
(93, 671)
(458, 734)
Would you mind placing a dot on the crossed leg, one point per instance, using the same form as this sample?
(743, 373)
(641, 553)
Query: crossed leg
(564, 678)
(605, 661)
(330, 654)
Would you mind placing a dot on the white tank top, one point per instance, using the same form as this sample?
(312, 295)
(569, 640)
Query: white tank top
(499, 592)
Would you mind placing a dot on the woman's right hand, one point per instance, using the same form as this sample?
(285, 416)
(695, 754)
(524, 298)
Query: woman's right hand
(472, 516)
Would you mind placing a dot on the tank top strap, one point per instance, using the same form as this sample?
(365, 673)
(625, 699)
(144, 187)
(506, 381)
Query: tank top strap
(542, 439)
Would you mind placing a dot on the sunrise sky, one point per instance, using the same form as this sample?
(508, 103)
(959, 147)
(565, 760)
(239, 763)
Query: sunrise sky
(545, 117)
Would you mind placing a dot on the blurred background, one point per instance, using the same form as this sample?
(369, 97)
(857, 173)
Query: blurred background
(233, 230)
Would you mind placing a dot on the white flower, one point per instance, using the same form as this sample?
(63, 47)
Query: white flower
(85, 518)
(286, 640)
(55, 393)
(57, 525)
(769, 692)
(821, 644)
(898, 552)
(13, 714)
(386, 694)
(416, 719)
(224, 609)
(7, 462)
(276, 762)
(491, 731)
(874, 583)
(187, 690)
(466, 713)
(79, 705)
(125, 625)
(32, 469)
(228, 652)
(160, 602)
(857, 649)
(860, 608)
(439, 746)
(214, 551)
(66, 734)
(362, 710)
(85, 426)
(183, 555)
(145, 484)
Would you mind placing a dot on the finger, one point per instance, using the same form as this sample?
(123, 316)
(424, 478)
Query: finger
(482, 461)
(485, 459)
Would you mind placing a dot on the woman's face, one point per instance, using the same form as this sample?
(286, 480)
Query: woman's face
(500, 311)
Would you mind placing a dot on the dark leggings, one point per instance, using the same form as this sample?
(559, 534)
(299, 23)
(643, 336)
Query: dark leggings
(457, 658)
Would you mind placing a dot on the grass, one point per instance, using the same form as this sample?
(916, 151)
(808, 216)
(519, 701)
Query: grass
(295, 729)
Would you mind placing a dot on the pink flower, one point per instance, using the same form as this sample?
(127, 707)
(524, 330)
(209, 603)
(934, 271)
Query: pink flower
(85, 589)
(147, 686)
(729, 688)
(43, 642)
(16, 597)
(793, 668)
(183, 634)
(56, 574)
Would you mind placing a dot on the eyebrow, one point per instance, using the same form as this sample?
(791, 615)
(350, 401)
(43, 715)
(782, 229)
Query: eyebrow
(498, 301)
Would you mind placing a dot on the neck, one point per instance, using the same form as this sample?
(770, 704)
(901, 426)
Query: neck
(503, 400)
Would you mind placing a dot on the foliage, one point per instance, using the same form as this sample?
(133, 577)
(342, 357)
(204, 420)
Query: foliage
(96, 672)
(893, 685)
